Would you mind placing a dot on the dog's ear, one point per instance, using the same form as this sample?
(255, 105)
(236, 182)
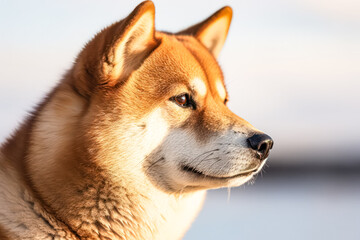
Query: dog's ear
(116, 51)
(212, 31)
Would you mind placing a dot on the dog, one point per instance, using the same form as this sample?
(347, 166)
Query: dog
(128, 142)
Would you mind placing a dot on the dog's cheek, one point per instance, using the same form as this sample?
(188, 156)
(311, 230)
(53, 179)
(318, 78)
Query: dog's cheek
(156, 129)
(176, 116)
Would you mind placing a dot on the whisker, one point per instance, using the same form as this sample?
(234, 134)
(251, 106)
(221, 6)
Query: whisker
(202, 154)
(154, 163)
(206, 157)
(229, 193)
(219, 159)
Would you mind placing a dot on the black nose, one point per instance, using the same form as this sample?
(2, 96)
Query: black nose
(262, 144)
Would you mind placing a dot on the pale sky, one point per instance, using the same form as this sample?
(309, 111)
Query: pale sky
(292, 67)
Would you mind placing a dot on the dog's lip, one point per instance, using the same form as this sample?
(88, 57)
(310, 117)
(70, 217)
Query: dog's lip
(194, 171)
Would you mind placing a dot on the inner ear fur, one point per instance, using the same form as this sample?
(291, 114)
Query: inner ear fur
(114, 53)
(212, 31)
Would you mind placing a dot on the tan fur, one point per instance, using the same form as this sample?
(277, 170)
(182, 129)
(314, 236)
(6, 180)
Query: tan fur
(102, 156)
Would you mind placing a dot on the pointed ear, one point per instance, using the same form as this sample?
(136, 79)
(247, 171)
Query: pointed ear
(118, 50)
(212, 32)
(133, 41)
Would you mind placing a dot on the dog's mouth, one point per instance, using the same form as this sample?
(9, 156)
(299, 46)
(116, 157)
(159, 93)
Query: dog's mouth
(199, 173)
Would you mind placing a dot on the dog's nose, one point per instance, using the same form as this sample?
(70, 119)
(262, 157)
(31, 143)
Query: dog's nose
(262, 144)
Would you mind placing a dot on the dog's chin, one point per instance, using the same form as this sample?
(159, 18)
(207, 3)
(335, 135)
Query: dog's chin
(204, 175)
(193, 178)
(203, 181)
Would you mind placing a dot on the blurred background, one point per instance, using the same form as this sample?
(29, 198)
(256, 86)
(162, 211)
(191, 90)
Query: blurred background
(292, 68)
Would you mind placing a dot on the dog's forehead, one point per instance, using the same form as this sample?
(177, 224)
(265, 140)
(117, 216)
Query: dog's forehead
(171, 63)
(214, 77)
(183, 61)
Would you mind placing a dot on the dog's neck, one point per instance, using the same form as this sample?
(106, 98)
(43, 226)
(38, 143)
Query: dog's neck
(103, 209)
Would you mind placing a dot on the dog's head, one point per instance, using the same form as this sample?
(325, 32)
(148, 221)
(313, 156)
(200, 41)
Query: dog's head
(157, 106)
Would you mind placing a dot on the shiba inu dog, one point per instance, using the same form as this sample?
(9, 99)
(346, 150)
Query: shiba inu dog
(131, 138)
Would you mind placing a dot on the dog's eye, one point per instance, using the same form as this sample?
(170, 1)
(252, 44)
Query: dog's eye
(183, 100)
(226, 101)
